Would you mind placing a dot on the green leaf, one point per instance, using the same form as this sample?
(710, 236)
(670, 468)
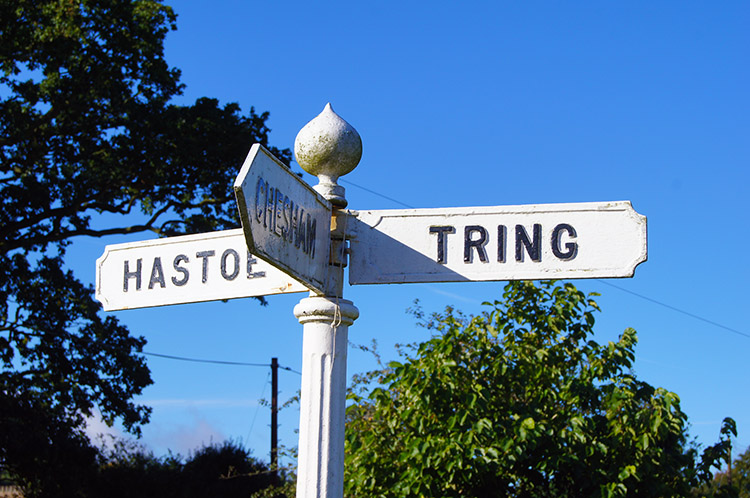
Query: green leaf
(626, 472)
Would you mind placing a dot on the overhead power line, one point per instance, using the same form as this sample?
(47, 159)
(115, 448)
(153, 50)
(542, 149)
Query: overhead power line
(343, 180)
(376, 193)
(216, 362)
(257, 409)
(199, 360)
(673, 308)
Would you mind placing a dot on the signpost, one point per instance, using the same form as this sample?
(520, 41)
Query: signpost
(186, 269)
(285, 221)
(304, 232)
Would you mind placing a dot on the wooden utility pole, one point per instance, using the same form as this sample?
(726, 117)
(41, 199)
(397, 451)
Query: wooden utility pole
(274, 414)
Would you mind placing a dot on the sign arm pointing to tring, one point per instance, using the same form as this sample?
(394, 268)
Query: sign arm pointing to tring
(558, 241)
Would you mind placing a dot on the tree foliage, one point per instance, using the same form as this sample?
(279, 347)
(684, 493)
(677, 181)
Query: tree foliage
(220, 470)
(89, 127)
(520, 401)
(126, 469)
(732, 482)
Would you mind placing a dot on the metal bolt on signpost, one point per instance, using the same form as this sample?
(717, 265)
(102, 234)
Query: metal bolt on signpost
(327, 147)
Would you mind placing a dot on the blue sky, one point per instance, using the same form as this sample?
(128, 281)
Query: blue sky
(480, 104)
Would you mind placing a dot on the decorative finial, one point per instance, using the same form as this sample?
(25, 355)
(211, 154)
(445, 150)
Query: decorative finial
(328, 147)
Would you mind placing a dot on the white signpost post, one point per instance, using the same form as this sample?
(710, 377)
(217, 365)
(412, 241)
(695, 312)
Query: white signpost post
(303, 233)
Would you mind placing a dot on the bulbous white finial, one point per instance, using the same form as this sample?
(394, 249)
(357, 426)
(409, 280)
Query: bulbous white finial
(328, 147)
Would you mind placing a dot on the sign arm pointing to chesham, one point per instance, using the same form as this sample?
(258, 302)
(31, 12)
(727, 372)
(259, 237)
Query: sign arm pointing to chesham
(285, 221)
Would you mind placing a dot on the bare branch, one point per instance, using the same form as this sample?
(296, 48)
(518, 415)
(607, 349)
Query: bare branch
(57, 217)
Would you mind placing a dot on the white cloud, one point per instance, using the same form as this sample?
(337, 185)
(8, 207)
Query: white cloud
(184, 402)
(99, 432)
(183, 438)
(457, 297)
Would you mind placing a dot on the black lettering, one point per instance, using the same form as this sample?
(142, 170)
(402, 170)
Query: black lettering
(235, 270)
(278, 209)
(285, 229)
(301, 235)
(534, 249)
(270, 204)
(572, 247)
(180, 258)
(478, 244)
(157, 274)
(293, 213)
(205, 255)
(294, 235)
(502, 239)
(442, 241)
(135, 274)
(311, 225)
(289, 220)
(260, 207)
(250, 262)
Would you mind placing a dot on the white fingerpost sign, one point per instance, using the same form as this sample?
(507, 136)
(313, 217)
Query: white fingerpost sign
(186, 269)
(544, 241)
(304, 232)
(285, 221)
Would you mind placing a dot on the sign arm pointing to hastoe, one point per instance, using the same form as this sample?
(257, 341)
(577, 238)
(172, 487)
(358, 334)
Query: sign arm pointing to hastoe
(185, 269)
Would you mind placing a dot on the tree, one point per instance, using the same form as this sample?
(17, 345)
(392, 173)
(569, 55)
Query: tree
(734, 481)
(220, 470)
(520, 401)
(88, 127)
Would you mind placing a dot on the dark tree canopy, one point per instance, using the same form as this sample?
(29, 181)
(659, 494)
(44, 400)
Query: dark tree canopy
(224, 470)
(88, 126)
(520, 401)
